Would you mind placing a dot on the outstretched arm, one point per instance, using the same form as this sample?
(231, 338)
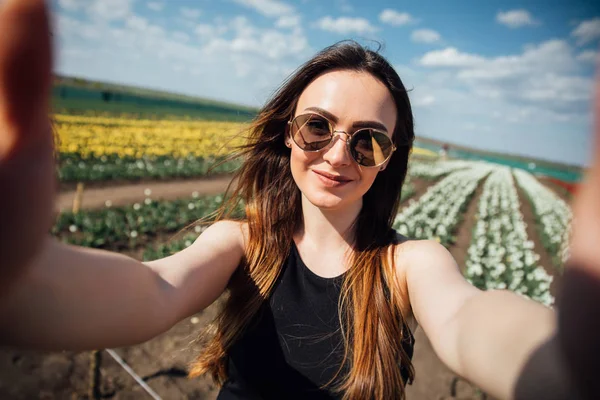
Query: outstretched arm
(76, 298)
(579, 302)
(487, 337)
(55, 296)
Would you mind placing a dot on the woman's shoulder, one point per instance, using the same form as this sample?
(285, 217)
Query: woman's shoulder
(417, 248)
(230, 230)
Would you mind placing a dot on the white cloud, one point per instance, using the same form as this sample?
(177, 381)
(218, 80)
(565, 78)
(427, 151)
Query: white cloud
(67, 26)
(101, 10)
(137, 23)
(243, 27)
(393, 17)
(587, 31)
(588, 56)
(180, 36)
(288, 21)
(245, 66)
(77, 53)
(269, 43)
(108, 10)
(207, 31)
(70, 5)
(190, 13)
(515, 18)
(450, 57)
(268, 8)
(425, 36)
(423, 101)
(344, 5)
(345, 25)
(544, 77)
(253, 41)
(140, 24)
(155, 5)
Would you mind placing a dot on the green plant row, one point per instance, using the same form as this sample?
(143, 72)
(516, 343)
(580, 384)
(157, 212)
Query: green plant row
(73, 168)
(129, 226)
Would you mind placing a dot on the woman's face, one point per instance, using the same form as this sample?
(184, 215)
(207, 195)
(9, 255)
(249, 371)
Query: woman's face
(350, 100)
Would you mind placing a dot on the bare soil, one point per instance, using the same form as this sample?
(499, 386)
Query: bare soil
(97, 195)
(532, 232)
(163, 361)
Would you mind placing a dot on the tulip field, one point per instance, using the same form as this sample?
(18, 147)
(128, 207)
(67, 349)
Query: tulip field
(501, 254)
(505, 227)
(101, 149)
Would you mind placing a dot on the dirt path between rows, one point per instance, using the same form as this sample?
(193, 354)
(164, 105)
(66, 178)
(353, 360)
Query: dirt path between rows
(96, 197)
(434, 380)
(420, 186)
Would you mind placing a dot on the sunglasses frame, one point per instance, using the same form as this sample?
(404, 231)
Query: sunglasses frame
(332, 134)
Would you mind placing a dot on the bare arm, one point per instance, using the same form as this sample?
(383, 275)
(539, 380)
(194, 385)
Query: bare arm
(486, 337)
(77, 298)
(579, 300)
(54, 296)
(496, 333)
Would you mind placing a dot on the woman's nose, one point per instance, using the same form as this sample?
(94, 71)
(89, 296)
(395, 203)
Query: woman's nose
(337, 152)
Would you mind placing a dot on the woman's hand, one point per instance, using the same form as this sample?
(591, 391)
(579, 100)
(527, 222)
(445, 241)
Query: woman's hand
(27, 181)
(579, 301)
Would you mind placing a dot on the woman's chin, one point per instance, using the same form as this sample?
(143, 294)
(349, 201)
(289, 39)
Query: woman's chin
(328, 201)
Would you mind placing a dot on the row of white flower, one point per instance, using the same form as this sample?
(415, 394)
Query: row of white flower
(500, 255)
(430, 170)
(437, 212)
(553, 214)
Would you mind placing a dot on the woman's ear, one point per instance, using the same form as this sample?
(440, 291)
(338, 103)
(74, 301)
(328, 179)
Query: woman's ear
(286, 136)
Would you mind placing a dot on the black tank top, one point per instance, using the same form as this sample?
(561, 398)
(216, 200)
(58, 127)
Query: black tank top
(294, 344)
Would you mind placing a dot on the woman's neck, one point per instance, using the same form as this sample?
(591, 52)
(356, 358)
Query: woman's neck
(326, 229)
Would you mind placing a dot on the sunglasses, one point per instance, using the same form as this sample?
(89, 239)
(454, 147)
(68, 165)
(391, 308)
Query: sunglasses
(369, 147)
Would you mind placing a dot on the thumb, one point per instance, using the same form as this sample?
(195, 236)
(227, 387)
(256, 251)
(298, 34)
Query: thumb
(25, 74)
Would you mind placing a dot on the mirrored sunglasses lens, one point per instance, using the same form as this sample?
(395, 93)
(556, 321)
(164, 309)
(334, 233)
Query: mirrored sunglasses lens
(311, 132)
(370, 148)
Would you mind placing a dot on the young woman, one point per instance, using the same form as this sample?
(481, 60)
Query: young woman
(323, 295)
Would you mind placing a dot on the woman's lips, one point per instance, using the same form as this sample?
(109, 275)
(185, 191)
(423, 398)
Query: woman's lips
(332, 180)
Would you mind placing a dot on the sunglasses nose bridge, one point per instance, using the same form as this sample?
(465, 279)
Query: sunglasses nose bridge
(348, 136)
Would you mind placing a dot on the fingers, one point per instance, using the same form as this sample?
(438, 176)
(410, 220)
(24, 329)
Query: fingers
(25, 74)
(586, 205)
(596, 110)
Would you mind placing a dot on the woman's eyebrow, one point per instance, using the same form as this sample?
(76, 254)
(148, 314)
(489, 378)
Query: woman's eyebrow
(370, 124)
(356, 124)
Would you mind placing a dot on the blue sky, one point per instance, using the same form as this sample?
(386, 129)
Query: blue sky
(510, 76)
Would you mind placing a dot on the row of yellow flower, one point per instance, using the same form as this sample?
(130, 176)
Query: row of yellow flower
(98, 136)
(135, 138)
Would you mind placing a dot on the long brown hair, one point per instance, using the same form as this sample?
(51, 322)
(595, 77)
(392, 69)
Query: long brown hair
(372, 304)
